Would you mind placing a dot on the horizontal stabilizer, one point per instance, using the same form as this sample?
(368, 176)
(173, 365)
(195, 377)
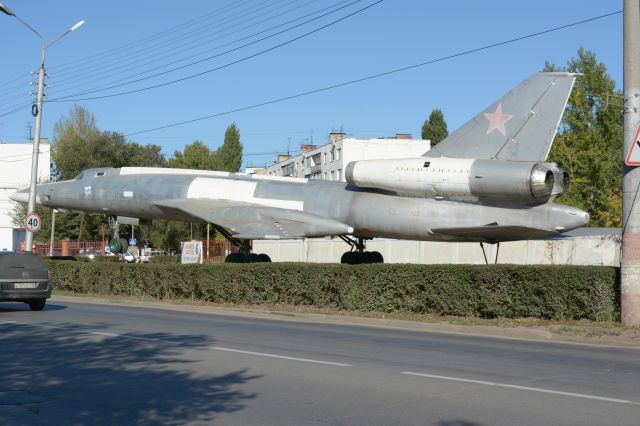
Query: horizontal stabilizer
(494, 233)
(520, 126)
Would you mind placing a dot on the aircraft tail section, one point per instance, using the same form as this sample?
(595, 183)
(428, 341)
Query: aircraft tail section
(520, 126)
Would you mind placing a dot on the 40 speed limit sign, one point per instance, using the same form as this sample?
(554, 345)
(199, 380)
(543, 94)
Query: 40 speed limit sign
(32, 222)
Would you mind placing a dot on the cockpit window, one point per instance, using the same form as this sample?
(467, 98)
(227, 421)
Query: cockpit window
(100, 174)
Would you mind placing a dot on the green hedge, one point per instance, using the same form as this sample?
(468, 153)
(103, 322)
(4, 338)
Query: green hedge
(106, 259)
(165, 259)
(511, 291)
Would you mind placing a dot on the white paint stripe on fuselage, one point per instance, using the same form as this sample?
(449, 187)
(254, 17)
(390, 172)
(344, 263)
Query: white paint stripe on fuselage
(162, 171)
(235, 190)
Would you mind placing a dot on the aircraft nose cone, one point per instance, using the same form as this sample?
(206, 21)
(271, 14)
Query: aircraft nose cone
(20, 197)
(587, 218)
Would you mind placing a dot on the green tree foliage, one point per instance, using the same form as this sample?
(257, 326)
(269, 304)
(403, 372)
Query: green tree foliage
(589, 142)
(229, 155)
(195, 156)
(78, 144)
(435, 127)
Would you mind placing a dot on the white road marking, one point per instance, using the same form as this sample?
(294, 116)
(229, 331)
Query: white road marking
(147, 339)
(524, 388)
(98, 333)
(288, 358)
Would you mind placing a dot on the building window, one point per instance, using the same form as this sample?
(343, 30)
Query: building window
(339, 174)
(333, 153)
(324, 158)
(333, 175)
(325, 175)
(288, 170)
(338, 153)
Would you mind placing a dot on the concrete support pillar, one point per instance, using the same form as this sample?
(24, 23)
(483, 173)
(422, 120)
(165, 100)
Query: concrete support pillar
(630, 262)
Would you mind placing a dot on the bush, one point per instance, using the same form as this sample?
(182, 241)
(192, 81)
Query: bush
(108, 259)
(165, 259)
(550, 292)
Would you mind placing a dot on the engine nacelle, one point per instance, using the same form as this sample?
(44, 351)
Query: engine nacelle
(523, 181)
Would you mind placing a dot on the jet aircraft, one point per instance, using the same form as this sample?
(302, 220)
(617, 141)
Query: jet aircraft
(487, 182)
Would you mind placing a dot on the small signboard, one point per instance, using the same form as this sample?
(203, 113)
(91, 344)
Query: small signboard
(633, 156)
(132, 241)
(32, 222)
(191, 252)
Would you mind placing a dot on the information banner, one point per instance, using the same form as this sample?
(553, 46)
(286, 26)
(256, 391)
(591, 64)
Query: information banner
(191, 252)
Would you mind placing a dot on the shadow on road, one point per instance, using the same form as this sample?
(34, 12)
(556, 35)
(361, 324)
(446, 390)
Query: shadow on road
(20, 306)
(65, 375)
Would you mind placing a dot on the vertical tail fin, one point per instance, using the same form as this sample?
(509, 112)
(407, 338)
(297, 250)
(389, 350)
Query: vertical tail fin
(520, 126)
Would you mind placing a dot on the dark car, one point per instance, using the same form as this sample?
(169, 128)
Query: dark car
(24, 277)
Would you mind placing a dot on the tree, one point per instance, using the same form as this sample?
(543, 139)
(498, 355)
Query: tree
(144, 155)
(229, 155)
(71, 139)
(589, 142)
(195, 156)
(435, 127)
(78, 144)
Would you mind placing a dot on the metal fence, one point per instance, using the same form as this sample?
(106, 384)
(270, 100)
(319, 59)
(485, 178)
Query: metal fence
(213, 250)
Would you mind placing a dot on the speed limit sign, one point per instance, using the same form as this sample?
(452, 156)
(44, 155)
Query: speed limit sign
(32, 222)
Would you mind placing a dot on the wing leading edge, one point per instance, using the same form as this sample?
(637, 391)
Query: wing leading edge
(248, 221)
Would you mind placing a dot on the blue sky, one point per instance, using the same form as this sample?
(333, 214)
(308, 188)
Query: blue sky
(389, 35)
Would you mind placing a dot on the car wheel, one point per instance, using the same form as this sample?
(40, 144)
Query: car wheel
(37, 304)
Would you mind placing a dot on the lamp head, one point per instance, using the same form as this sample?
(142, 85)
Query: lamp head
(5, 9)
(77, 25)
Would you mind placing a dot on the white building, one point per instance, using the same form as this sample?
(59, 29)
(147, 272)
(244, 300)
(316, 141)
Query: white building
(327, 162)
(15, 174)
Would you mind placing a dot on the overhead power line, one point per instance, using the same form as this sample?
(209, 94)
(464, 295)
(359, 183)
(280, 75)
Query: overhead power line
(155, 36)
(114, 57)
(162, 47)
(23, 106)
(379, 75)
(152, 37)
(165, 54)
(262, 52)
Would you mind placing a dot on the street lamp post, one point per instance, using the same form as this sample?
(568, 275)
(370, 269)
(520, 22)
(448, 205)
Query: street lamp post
(37, 112)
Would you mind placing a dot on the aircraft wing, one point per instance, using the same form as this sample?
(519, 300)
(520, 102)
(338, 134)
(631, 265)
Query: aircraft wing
(494, 233)
(249, 221)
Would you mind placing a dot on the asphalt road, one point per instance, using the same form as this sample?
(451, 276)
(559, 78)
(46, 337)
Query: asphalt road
(78, 363)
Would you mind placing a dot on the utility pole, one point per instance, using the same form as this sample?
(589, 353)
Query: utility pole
(630, 262)
(37, 113)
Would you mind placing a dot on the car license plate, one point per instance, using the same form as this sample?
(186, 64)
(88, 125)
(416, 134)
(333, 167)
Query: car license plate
(25, 285)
